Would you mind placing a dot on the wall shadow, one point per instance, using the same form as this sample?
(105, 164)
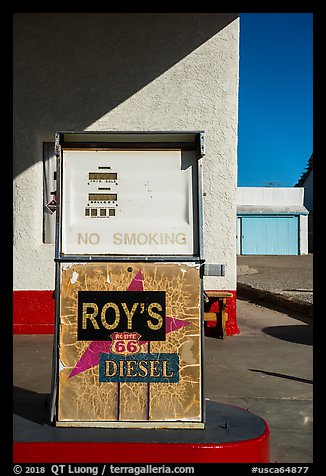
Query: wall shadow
(299, 334)
(72, 68)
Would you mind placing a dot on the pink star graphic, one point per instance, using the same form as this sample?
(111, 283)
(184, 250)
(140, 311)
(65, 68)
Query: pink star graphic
(91, 356)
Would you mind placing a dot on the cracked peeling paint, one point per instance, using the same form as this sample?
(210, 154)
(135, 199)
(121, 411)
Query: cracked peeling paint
(83, 397)
(61, 366)
(74, 277)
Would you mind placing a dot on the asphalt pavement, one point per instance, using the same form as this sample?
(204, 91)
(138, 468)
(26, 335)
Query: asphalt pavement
(268, 369)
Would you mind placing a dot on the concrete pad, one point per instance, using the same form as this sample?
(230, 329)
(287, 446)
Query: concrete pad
(267, 369)
(32, 362)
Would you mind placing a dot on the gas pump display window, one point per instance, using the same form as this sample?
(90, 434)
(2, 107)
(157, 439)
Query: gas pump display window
(102, 176)
(129, 202)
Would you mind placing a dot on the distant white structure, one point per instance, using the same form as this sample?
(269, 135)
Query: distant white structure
(271, 221)
(307, 182)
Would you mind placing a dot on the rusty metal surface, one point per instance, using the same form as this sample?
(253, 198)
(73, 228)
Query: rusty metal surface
(82, 397)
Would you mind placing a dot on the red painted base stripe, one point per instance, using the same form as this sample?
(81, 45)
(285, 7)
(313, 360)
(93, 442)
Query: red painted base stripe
(33, 313)
(33, 328)
(249, 451)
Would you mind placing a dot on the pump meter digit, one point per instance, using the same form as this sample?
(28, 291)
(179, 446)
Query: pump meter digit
(129, 202)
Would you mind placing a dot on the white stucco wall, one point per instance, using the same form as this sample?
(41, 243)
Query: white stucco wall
(303, 234)
(141, 72)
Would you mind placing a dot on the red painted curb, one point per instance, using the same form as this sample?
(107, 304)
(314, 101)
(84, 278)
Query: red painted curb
(250, 451)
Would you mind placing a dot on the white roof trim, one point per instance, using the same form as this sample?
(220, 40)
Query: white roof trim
(269, 209)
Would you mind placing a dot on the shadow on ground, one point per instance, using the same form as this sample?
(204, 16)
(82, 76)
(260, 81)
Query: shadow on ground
(30, 405)
(288, 377)
(300, 334)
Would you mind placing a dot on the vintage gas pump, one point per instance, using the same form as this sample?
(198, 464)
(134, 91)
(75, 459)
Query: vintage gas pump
(129, 266)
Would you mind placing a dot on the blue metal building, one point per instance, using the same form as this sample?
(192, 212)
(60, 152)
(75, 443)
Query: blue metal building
(271, 221)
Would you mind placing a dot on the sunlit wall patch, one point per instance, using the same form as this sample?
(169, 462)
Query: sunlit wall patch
(143, 367)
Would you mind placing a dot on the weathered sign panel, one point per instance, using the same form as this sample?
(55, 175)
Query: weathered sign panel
(130, 345)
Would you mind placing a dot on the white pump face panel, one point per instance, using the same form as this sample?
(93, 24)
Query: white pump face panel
(129, 202)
